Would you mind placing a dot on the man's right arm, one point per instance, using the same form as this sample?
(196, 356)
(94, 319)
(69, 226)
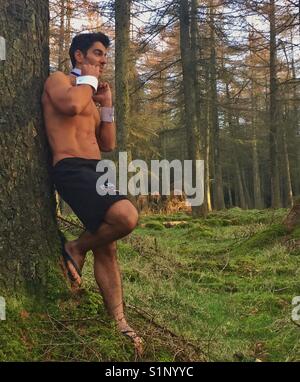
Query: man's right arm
(67, 99)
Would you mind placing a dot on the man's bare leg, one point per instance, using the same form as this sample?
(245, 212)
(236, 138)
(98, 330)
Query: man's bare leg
(120, 220)
(108, 278)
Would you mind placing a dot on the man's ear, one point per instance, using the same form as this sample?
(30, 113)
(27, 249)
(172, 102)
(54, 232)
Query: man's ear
(79, 57)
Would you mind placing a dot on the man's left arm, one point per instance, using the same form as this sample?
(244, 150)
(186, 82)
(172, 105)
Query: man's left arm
(106, 131)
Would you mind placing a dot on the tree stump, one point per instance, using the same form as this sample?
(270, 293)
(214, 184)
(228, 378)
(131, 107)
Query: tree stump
(293, 218)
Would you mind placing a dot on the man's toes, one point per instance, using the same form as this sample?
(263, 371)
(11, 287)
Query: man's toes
(137, 341)
(73, 271)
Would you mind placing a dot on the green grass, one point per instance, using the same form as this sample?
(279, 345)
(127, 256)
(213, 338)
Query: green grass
(218, 289)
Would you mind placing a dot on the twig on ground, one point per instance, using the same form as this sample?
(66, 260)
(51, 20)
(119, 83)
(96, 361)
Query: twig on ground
(77, 225)
(147, 316)
(81, 339)
(225, 266)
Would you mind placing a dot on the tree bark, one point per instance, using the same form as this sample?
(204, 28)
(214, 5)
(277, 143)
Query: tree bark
(29, 235)
(258, 203)
(274, 115)
(122, 18)
(207, 154)
(257, 192)
(200, 144)
(61, 39)
(219, 203)
(189, 90)
(286, 165)
(295, 119)
(188, 81)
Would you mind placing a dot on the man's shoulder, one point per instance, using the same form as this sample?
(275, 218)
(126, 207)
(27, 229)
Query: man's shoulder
(55, 77)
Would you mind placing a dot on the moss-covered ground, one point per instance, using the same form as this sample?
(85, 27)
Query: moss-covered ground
(218, 289)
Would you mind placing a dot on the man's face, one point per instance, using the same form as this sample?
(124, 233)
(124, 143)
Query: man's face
(96, 55)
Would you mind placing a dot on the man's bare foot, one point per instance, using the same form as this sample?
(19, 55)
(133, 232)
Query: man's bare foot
(75, 253)
(73, 263)
(127, 331)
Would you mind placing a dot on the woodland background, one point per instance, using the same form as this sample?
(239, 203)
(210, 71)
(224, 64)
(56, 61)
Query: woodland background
(215, 80)
(193, 79)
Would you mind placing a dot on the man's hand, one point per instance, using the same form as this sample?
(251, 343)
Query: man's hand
(90, 70)
(103, 95)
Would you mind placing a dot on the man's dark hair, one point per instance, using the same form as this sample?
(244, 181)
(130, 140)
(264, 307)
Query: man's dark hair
(84, 41)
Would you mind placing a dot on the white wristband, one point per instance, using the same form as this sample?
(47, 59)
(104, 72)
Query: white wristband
(107, 114)
(87, 80)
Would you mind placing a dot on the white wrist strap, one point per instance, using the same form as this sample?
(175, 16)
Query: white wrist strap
(107, 114)
(87, 80)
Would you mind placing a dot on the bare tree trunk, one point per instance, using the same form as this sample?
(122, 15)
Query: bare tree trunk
(29, 235)
(206, 131)
(249, 203)
(240, 187)
(286, 166)
(67, 37)
(189, 90)
(295, 119)
(61, 35)
(207, 156)
(200, 144)
(258, 203)
(218, 182)
(274, 115)
(230, 200)
(122, 17)
(188, 80)
(236, 163)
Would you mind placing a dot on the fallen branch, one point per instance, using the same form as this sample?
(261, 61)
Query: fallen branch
(172, 224)
(148, 317)
(79, 337)
(77, 225)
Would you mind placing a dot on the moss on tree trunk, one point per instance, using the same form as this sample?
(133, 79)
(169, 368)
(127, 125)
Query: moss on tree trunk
(29, 237)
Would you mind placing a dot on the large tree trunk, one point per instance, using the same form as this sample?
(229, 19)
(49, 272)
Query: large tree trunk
(122, 16)
(219, 203)
(295, 121)
(188, 70)
(188, 80)
(235, 159)
(200, 144)
(274, 115)
(257, 193)
(286, 165)
(207, 154)
(205, 127)
(29, 236)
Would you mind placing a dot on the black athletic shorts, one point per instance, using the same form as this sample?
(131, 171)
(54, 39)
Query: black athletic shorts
(75, 180)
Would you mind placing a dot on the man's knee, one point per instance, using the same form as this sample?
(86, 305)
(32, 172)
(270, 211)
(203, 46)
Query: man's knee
(124, 215)
(128, 221)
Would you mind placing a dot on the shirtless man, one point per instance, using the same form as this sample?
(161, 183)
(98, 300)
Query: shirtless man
(77, 136)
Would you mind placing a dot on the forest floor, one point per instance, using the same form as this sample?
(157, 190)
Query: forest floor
(219, 289)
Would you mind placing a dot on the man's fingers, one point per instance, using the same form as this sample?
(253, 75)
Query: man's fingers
(103, 85)
(88, 69)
